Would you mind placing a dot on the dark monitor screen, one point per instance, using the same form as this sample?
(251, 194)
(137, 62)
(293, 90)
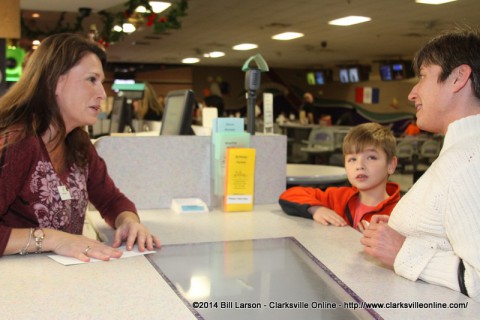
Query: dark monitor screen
(177, 117)
(386, 72)
(398, 71)
(121, 115)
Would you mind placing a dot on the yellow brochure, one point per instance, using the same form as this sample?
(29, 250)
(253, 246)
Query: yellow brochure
(239, 179)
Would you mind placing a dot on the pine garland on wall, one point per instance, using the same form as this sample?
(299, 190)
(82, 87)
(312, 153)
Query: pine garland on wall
(160, 22)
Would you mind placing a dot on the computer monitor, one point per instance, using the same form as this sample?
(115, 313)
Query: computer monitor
(121, 115)
(177, 116)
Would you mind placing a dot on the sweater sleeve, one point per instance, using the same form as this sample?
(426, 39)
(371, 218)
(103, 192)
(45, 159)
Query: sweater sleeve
(462, 224)
(422, 259)
(296, 201)
(103, 193)
(20, 154)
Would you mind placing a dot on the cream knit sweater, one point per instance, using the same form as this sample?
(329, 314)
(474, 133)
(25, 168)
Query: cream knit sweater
(440, 214)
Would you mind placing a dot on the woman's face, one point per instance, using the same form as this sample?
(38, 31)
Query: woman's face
(79, 92)
(431, 100)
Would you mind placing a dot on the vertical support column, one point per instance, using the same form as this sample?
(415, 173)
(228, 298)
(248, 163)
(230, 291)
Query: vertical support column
(9, 29)
(3, 62)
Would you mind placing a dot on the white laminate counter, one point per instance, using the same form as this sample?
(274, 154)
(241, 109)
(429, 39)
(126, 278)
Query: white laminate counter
(36, 286)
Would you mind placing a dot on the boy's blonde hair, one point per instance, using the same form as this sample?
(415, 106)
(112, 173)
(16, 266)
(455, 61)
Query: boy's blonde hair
(370, 134)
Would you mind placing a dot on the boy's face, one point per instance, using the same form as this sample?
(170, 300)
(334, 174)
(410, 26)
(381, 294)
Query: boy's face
(369, 169)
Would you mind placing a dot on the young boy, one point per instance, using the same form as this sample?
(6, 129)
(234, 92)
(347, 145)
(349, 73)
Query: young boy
(369, 153)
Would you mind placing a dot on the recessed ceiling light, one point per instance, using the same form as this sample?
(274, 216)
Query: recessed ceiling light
(245, 46)
(190, 60)
(348, 21)
(287, 36)
(214, 54)
(434, 1)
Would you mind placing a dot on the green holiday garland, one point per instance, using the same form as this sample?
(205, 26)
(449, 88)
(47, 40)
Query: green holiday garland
(160, 23)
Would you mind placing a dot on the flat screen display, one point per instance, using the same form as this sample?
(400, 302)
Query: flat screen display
(177, 117)
(398, 71)
(320, 78)
(386, 72)
(311, 78)
(120, 115)
(343, 73)
(353, 75)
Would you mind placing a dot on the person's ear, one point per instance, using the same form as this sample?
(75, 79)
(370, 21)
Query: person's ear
(392, 165)
(461, 75)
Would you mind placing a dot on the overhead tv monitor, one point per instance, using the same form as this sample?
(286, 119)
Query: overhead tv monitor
(343, 74)
(121, 115)
(353, 74)
(311, 78)
(386, 72)
(320, 78)
(177, 116)
(398, 72)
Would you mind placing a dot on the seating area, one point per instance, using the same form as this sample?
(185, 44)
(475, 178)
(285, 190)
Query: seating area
(415, 155)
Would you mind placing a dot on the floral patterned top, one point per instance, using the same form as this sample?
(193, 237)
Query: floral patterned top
(33, 194)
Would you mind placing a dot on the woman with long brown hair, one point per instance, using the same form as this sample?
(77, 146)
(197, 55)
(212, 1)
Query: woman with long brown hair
(49, 169)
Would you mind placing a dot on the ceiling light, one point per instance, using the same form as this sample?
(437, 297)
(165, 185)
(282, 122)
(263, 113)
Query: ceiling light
(190, 60)
(157, 7)
(245, 46)
(434, 1)
(128, 28)
(287, 36)
(214, 54)
(348, 21)
(35, 15)
(117, 28)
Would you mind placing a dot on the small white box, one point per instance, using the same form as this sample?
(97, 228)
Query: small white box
(189, 205)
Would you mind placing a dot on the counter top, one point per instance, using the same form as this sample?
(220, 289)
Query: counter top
(132, 289)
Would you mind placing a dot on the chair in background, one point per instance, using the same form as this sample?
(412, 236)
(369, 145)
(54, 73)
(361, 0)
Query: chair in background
(405, 154)
(430, 150)
(321, 141)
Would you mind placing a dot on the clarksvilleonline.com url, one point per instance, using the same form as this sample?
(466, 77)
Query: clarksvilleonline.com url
(327, 305)
(405, 305)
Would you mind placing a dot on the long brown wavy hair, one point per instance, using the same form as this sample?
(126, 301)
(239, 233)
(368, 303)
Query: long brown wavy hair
(29, 107)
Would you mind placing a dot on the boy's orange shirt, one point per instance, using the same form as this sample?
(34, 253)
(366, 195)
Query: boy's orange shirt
(296, 201)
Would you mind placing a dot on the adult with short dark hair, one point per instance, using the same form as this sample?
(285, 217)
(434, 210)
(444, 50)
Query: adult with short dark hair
(49, 169)
(433, 234)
